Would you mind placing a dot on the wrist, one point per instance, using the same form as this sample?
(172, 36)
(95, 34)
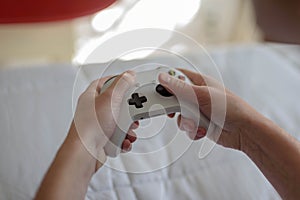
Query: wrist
(256, 128)
(74, 146)
(275, 152)
(252, 124)
(71, 170)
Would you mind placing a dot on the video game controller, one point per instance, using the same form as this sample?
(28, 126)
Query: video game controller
(146, 99)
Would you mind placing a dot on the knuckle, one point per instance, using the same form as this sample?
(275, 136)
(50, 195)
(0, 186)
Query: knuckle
(113, 95)
(109, 92)
(82, 96)
(107, 95)
(203, 94)
(94, 82)
(179, 83)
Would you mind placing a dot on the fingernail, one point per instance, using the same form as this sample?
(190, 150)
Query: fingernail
(165, 77)
(129, 74)
(181, 77)
(128, 77)
(132, 73)
(188, 127)
(201, 132)
(129, 148)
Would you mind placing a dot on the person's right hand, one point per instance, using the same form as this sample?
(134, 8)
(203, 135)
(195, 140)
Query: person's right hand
(239, 115)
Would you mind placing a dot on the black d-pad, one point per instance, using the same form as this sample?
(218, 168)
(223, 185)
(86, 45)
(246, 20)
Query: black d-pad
(136, 100)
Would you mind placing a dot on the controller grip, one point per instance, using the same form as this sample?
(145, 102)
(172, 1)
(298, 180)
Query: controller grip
(114, 145)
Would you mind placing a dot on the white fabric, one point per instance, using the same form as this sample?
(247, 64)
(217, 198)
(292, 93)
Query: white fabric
(36, 110)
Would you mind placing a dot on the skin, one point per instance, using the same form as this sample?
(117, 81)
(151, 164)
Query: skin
(73, 166)
(275, 152)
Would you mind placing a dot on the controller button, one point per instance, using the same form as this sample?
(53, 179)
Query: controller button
(163, 91)
(136, 100)
(172, 72)
(181, 77)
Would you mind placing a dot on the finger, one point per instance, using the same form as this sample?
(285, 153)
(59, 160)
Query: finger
(131, 136)
(96, 85)
(121, 84)
(179, 121)
(92, 87)
(185, 124)
(209, 93)
(114, 94)
(126, 146)
(195, 77)
(101, 83)
(202, 80)
(192, 135)
(186, 93)
(181, 77)
(178, 87)
(212, 100)
(172, 115)
(134, 125)
(137, 123)
(200, 133)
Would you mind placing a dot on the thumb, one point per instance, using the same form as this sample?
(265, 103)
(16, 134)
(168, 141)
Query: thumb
(122, 83)
(211, 101)
(113, 96)
(179, 88)
(187, 93)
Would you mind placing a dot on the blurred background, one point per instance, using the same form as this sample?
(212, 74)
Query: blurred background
(39, 87)
(213, 23)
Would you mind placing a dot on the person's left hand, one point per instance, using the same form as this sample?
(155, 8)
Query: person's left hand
(96, 114)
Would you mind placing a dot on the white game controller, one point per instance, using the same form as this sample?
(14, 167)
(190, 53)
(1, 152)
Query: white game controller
(146, 99)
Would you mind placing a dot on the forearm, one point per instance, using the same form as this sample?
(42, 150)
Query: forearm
(276, 153)
(70, 172)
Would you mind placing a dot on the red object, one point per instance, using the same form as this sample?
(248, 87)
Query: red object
(24, 11)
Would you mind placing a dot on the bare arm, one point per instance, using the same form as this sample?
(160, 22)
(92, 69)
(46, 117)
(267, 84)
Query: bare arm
(69, 175)
(274, 151)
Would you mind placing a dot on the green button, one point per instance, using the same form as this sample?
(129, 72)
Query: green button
(172, 72)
